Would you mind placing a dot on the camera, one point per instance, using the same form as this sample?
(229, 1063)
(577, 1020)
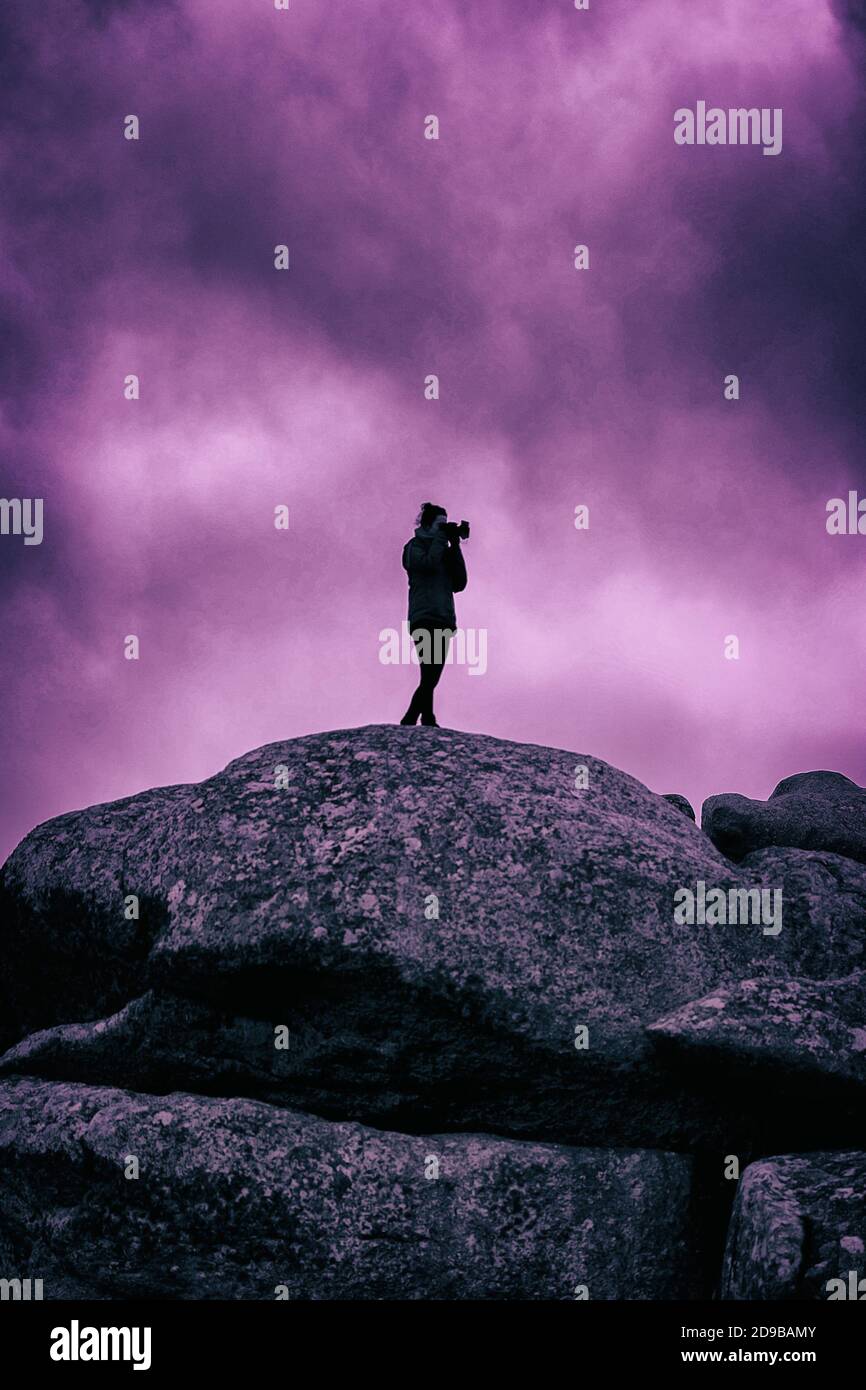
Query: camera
(455, 532)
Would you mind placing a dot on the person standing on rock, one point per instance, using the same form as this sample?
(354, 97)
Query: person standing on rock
(434, 563)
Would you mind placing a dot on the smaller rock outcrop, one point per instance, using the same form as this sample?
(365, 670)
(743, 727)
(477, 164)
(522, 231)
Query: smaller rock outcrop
(811, 810)
(798, 1228)
(794, 1026)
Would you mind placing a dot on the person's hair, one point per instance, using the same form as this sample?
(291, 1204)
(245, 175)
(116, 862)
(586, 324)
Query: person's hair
(428, 513)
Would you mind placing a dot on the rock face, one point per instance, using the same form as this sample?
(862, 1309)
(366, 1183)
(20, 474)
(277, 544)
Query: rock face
(824, 907)
(793, 1029)
(812, 810)
(442, 936)
(238, 1200)
(799, 1222)
(433, 919)
(681, 802)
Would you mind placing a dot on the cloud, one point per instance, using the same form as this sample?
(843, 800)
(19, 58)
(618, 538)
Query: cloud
(411, 257)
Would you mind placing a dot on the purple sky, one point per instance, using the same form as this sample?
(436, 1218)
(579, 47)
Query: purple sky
(409, 257)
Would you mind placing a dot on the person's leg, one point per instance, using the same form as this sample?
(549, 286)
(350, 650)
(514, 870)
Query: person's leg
(441, 641)
(422, 637)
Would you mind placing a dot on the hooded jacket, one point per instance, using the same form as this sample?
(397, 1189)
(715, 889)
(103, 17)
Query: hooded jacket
(437, 572)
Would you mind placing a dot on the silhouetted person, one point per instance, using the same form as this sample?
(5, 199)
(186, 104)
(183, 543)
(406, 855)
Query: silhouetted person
(434, 563)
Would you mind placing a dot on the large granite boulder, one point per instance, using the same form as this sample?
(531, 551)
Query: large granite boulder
(454, 932)
(110, 1194)
(798, 1229)
(811, 810)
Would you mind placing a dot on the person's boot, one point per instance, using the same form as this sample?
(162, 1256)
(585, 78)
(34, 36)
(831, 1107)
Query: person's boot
(430, 721)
